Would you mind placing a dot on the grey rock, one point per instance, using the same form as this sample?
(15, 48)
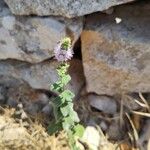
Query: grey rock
(103, 126)
(116, 57)
(109, 11)
(32, 109)
(42, 75)
(12, 102)
(145, 135)
(115, 132)
(2, 99)
(47, 110)
(42, 99)
(4, 9)
(93, 139)
(67, 8)
(103, 103)
(2, 94)
(20, 95)
(148, 97)
(33, 39)
(91, 122)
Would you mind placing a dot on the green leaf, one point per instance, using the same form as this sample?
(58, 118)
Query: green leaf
(67, 123)
(57, 101)
(54, 127)
(67, 95)
(62, 69)
(60, 72)
(72, 141)
(57, 114)
(66, 109)
(74, 116)
(56, 86)
(66, 126)
(79, 130)
(65, 79)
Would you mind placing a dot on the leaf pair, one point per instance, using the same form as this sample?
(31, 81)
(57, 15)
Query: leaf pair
(70, 116)
(57, 87)
(67, 96)
(62, 69)
(54, 127)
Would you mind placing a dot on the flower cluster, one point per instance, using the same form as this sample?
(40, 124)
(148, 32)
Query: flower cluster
(63, 51)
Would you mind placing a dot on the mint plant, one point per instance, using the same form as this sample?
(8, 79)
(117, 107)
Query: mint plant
(65, 117)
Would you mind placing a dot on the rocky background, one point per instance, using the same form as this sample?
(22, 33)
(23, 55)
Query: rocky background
(111, 64)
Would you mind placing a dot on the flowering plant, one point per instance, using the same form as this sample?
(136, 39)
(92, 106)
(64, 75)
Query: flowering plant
(65, 116)
(63, 50)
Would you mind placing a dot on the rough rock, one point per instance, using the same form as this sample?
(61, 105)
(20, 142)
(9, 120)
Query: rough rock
(67, 8)
(2, 94)
(4, 9)
(42, 75)
(92, 139)
(96, 140)
(47, 110)
(116, 57)
(31, 38)
(103, 125)
(115, 132)
(18, 91)
(144, 140)
(103, 103)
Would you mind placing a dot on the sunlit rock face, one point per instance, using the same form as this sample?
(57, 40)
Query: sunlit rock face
(66, 8)
(116, 50)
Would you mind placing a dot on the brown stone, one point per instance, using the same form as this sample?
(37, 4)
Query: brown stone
(116, 55)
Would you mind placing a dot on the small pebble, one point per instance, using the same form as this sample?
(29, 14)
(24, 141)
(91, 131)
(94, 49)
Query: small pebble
(20, 106)
(103, 125)
(24, 116)
(118, 20)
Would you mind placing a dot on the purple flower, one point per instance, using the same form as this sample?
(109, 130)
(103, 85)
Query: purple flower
(63, 51)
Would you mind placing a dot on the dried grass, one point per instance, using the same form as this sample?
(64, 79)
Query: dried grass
(33, 138)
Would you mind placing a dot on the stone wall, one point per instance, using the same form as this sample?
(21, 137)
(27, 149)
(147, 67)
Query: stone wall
(115, 47)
